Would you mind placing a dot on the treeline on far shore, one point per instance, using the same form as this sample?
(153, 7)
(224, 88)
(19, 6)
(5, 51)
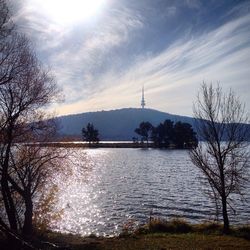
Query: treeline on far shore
(167, 135)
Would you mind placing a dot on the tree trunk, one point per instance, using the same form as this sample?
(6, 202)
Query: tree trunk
(223, 196)
(15, 241)
(226, 228)
(28, 226)
(6, 192)
(8, 203)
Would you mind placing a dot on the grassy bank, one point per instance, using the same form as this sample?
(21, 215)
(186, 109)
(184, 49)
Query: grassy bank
(156, 241)
(156, 235)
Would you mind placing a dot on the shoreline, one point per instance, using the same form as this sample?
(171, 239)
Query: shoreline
(99, 145)
(159, 235)
(103, 144)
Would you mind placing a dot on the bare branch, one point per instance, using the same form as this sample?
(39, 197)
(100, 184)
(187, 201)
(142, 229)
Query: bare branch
(223, 156)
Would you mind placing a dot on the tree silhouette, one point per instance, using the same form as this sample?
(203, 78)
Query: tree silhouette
(181, 135)
(144, 131)
(224, 163)
(25, 89)
(184, 135)
(162, 135)
(90, 134)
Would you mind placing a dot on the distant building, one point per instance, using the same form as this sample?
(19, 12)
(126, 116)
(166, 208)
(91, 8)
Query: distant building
(143, 103)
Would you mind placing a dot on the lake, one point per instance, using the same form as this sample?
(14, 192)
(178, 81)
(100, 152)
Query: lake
(109, 188)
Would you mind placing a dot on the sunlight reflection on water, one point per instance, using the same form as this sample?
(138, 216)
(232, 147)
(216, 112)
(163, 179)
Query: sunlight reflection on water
(109, 187)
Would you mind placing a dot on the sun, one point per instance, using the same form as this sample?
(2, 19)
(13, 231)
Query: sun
(69, 11)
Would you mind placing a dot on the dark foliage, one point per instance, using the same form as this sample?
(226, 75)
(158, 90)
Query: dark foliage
(184, 135)
(163, 134)
(166, 134)
(90, 134)
(144, 130)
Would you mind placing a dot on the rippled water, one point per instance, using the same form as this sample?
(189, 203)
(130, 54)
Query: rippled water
(110, 187)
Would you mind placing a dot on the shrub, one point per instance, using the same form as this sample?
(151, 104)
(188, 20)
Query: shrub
(208, 228)
(129, 228)
(242, 231)
(180, 226)
(172, 226)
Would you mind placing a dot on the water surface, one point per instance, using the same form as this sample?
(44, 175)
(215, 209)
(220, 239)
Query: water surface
(111, 187)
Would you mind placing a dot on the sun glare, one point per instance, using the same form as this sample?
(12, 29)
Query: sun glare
(69, 11)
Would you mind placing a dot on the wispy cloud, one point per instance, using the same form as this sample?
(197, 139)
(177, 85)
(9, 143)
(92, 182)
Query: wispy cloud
(173, 77)
(195, 4)
(98, 68)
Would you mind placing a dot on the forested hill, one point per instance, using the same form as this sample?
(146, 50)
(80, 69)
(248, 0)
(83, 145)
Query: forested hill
(115, 124)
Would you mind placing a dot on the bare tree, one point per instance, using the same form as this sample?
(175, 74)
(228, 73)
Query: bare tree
(25, 90)
(223, 156)
(6, 25)
(28, 89)
(6, 47)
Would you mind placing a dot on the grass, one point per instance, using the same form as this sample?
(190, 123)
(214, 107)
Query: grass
(156, 235)
(172, 226)
(154, 241)
(181, 226)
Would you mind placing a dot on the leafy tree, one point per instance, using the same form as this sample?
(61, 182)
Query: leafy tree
(222, 162)
(184, 135)
(180, 134)
(144, 130)
(157, 135)
(168, 132)
(162, 135)
(90, 134)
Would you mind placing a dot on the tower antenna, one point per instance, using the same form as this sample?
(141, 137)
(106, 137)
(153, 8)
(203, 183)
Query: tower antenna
(143, 104)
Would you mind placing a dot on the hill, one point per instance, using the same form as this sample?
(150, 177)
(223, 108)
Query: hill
(116, 124)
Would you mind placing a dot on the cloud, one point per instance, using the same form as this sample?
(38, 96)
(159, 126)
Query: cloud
(77, 56)
(193, 4)
(172, 77)
(32, 22)
(98, 67)
(239, 10)
(170, 11)
(76, 53)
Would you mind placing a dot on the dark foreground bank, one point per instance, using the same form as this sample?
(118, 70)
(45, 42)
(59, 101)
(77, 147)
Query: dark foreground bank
(157, 235)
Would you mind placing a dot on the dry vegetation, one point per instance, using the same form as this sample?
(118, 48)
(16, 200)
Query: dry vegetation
(156, 235)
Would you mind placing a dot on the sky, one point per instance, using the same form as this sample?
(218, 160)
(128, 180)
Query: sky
(102, 52)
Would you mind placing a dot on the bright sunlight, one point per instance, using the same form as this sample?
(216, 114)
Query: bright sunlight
(69, 11)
